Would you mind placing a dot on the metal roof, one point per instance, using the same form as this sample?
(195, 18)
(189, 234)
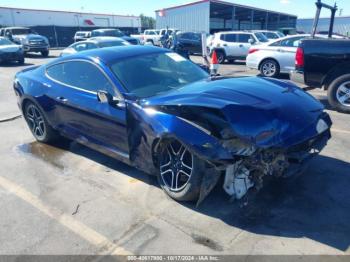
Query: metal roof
(61, 11)
(225, 3)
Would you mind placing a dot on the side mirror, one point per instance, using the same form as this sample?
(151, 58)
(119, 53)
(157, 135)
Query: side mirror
(106, 98)
(251, 41)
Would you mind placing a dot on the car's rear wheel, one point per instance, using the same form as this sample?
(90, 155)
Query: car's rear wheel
(339, 94)
(270, 68)
(38, 124)
(180, 171)
(231, 61)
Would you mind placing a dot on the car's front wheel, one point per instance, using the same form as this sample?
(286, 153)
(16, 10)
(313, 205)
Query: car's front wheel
(339, 94)
(21, 61)
(270, 68)
(38, 124)
(180, 171)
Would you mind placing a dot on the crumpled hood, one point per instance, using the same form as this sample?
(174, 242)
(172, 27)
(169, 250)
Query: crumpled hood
(9, 48)
(267, 112)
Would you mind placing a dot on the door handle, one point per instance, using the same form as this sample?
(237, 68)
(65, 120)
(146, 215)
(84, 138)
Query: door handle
(240, 45)
(62, 99)
(224, 45)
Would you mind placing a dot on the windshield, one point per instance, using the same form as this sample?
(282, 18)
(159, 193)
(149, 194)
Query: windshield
(22, 31)
(153, 74)
(280, 34)
(115, 33)
(4, 41)
(261, 37)
(112, 43)
(271, 35)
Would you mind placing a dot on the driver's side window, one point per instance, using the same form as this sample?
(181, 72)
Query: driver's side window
(80, 74)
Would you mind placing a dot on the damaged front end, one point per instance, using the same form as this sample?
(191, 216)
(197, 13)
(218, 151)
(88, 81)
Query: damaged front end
(248, 157)
(249, 171)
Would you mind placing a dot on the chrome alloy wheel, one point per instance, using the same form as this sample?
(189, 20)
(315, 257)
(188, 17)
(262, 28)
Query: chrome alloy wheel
(269, 69)
(35, 121)
(343, 94)
(176, 166)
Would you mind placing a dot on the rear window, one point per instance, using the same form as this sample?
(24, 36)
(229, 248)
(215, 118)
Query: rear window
(229, 38)
(261, 37)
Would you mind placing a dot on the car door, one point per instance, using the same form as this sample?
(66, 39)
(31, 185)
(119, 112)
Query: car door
(80, 114)
(286, 50)
(229, 43)
(244, 44)
(185, 40)
(197, 43)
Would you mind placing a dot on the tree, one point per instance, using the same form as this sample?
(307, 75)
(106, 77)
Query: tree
(147, 22)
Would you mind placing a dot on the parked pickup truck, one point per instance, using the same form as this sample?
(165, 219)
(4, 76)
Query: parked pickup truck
(30, 40)
(150, 37)
(322, 63)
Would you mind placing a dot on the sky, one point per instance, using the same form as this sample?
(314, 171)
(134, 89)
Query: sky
(302, 8)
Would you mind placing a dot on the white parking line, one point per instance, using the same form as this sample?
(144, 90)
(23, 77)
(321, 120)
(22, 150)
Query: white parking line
(67, 221)
(340, 131)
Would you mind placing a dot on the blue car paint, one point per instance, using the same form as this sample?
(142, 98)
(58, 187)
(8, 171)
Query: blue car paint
(267, 113)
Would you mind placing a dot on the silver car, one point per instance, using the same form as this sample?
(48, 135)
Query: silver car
(275, 57)
(93, 43)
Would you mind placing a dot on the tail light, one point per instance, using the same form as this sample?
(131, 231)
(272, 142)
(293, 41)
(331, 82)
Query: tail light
(253, 50)
(299, 58)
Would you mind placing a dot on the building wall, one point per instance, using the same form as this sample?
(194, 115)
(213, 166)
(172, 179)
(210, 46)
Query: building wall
(25, 17)
(341, 25)
(194, 17)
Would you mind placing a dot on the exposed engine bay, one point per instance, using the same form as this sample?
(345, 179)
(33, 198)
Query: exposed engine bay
(249, 172)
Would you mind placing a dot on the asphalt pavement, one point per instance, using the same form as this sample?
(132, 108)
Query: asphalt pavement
(67, 199)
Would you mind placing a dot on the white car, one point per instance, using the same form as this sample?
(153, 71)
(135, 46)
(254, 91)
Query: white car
(93, 43)
(234, 45)
(276, 57)
(81, 36)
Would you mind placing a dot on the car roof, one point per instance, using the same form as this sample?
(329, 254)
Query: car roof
(287, 37)
(236, 32)
(106, 29)
(16, 27)
(109, 55)
(101, 39)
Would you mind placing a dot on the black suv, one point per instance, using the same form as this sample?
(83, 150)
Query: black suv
(114, 33)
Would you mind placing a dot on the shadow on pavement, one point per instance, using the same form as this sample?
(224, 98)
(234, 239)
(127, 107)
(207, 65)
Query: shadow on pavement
(14, 64)
(315, 205)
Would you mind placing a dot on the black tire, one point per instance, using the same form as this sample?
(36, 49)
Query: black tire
(188, 187)
(38, 125)
(270, 68)
(21, 61)
(45, 53)
(339, 88)
(231, 61)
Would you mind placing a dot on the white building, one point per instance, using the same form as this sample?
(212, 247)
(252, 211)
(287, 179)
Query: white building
(60, 26)
(31, 17)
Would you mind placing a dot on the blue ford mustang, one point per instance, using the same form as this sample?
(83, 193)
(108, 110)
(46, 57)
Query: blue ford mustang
(161, 113)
